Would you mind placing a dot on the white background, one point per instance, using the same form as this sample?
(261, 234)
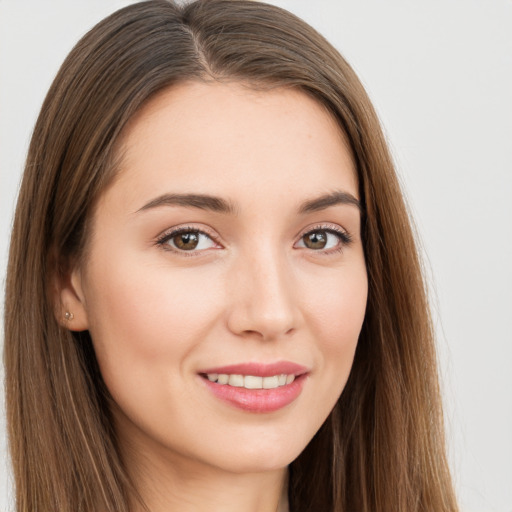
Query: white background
(440, 75)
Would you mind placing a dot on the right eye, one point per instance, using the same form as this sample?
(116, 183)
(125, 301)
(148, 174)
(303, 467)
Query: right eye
(187, 240)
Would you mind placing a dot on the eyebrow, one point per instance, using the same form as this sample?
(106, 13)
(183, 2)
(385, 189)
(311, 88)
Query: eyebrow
(220, 205)
(200, 201)
(327, 200)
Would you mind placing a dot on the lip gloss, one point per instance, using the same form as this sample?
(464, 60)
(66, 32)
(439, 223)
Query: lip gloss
(258, 400)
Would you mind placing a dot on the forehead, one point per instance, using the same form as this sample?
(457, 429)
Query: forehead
(226, 138)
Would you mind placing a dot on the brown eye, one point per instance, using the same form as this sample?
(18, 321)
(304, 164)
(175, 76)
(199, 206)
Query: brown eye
(186, 241)
(324, 239)
(315, 239)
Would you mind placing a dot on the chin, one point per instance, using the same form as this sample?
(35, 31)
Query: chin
(266, 453)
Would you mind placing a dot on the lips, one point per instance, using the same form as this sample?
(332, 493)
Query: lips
(256, 387)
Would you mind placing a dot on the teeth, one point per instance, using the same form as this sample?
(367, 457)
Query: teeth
(222, 379)
(236, 381)
(251, 381)
(270, 382)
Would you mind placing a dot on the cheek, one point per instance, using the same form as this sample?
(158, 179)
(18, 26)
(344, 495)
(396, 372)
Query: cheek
(144, 316)
(335, 319)
(337, 307)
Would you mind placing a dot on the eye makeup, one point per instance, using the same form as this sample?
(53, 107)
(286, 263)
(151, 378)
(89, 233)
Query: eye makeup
(318, 237)
(187, 241)
(192, 241)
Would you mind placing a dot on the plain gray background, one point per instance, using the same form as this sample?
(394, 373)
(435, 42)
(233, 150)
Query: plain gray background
(440, 76)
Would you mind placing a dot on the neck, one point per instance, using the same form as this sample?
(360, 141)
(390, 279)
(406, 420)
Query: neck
(178, 488)
(169, 482)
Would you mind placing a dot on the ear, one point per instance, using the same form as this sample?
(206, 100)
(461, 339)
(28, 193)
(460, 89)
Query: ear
(70, 305)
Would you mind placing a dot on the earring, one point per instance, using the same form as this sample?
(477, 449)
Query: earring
(68, 316)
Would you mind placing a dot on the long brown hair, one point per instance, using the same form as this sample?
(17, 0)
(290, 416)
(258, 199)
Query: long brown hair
(382, 447)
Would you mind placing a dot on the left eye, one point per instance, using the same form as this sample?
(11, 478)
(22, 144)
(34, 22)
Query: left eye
(189, 240)
(320, 239)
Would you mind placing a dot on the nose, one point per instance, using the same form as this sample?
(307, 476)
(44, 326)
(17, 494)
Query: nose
(263, 299)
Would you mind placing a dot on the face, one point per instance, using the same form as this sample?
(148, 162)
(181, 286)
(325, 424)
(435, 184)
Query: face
(225, 285)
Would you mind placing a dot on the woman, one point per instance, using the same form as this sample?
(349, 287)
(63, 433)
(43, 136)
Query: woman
(213, 296)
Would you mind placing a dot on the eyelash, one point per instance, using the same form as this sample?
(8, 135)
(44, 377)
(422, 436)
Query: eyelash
(344, 238)
(169, 235)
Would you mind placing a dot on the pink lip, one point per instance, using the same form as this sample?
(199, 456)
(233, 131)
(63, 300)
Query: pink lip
(258, 400)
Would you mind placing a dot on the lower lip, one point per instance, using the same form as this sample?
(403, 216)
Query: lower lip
(257, 400)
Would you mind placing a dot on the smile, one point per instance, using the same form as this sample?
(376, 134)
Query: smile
(251, 381)
(256, 388)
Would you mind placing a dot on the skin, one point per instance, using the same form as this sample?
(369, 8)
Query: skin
(251, 292)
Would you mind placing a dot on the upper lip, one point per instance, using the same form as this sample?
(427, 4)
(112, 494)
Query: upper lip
(259, 369)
